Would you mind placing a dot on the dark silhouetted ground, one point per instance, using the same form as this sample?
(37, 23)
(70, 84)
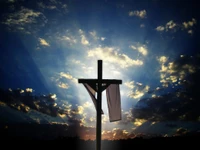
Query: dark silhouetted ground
(46, 136)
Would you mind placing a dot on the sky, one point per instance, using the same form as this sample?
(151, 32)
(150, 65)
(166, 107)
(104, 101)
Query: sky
(152, 46)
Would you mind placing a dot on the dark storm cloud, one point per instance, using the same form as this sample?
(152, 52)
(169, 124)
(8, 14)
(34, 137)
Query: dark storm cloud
(179, 103)
(24, 19)
(167, 128)
(44, 105)
(53, 5)
(173, 26)
(24, 101)
(29, 17)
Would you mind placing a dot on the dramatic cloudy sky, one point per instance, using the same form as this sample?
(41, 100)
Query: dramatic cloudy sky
(152, 46)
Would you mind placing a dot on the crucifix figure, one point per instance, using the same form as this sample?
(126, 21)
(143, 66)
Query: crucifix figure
(113, 96)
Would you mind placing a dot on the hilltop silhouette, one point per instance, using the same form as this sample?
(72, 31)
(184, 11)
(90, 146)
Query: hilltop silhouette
(57, 134)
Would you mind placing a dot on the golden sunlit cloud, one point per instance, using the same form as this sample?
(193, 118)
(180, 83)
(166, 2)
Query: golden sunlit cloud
(119, 134)
(162, 59)
(139, 122)
(24, 16)
(95, 37)
(83, 120)
(42, 5)
(164, 82)
(29, 90)
(43, 42)
(173, 78)
(21, 91)
(68, 76)
(190, 68)
(80, 110)
(87, 104)
(189, 23)
(67, 109)
(84, 40)
(111, 55)
(129, 84)
(137, 89)
(103, 38)
(137, 94)
(63, 85)
(116, 134)
(160, 28)
(53, 5)
(92, 119)
(141, 14)
(83, 109)
(153, 95)
(53, 96)
(140, 49)
(170, 74)
(105, 119)
(163, 68)
(2, 103)
(70, 39)
(170, 25)
(107, 135)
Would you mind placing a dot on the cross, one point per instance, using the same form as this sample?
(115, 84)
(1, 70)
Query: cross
(99, 84)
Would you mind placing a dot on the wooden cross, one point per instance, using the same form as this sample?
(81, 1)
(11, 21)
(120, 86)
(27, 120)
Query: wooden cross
(99, 84)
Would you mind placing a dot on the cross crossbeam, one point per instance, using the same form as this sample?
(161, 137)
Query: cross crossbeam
(94, 83)
(106, 81)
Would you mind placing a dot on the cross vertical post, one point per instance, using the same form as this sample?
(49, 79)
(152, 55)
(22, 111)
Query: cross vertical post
(99, 105)
(97, 85)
